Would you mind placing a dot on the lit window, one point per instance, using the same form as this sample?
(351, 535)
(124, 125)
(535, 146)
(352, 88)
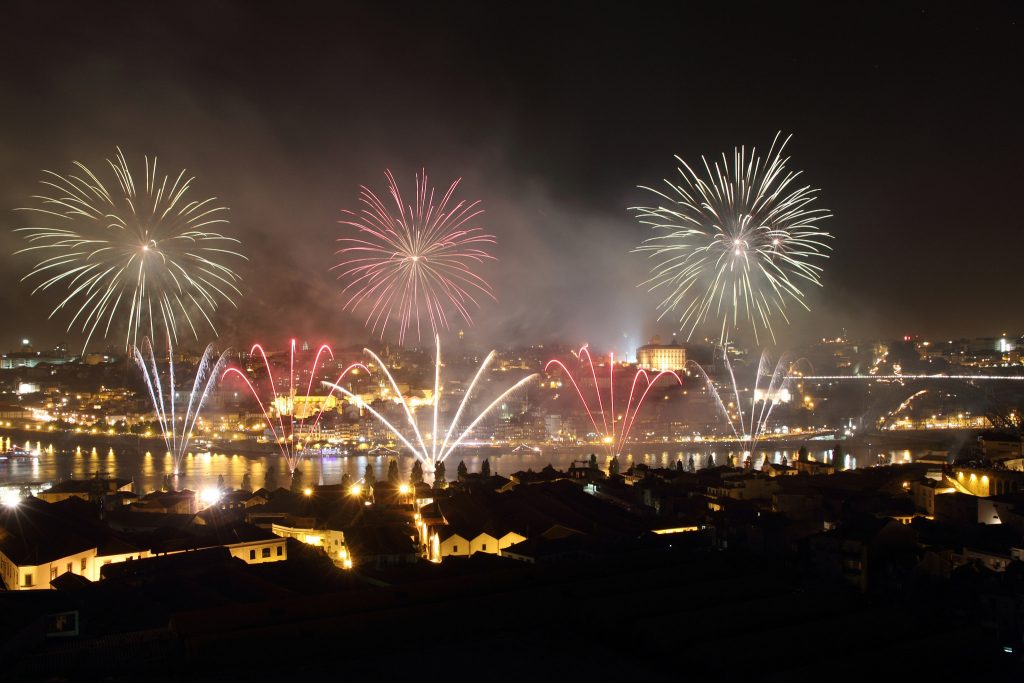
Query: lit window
(53, 573)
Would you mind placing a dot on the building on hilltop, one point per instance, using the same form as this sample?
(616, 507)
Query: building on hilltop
(659, 357)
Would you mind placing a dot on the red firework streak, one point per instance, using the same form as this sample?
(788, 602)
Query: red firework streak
(289, 433)
(612, 439)
(413, 260)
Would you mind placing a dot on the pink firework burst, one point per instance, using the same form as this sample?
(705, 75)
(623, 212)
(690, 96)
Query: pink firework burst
(292, 428)
(413, 261)
(613, 428)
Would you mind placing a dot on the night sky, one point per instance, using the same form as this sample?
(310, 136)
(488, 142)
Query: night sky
(907, 116)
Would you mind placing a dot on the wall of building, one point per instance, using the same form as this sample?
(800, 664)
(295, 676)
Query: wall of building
(258, 552)
(17, 577)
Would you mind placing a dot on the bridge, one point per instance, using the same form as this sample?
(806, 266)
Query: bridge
(962, 378)
(898, 391)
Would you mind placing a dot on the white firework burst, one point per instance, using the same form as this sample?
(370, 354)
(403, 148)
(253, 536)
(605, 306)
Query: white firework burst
(132, 253)
(734, 243)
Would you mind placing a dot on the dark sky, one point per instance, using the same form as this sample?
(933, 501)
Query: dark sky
(907, 116)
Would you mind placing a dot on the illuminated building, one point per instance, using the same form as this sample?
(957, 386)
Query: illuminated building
(660, 357)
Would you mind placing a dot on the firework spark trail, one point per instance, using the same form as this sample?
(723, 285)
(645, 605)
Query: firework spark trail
(435, 453)
(413, 260)
(754, 425)
(177, 440)
(613, 442)
(291, 436)
(734, 242)
(125, 251)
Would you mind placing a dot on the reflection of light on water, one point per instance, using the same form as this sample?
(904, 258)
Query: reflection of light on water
(148, 471)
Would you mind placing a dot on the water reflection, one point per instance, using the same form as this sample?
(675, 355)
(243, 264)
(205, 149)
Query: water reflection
(148, 470)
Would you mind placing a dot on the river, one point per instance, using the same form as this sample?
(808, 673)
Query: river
(148, 468)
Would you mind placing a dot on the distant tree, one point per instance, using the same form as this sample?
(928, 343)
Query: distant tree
(679, 465)
(167, 483)
(220, 482)
(270, 479)
(462, 470)
(709, 460)
(691, 466)
(439, 480)
(801, 455)
(393, 472)
(346, 481)
(416, 475)
(369, 478)
(613, 466)
(297, 484)
(485, 469)
(246, 482)
(593, 461)
(837, 456)
(785, 461)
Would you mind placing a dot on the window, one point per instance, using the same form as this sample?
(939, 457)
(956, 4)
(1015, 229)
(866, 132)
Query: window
(266, 552)
(484, 547)
(83, 564)
(252, 554)
(53, 573)
(68, 570)
(28, 579)
(280, 550)
(455, 548)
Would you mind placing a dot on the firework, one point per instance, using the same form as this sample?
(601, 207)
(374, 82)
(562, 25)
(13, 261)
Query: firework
(140, 253)
(291, 433)
(177, 420)
(612, 437)
(413, 261)
(748, 429)
(440, 446)
(736, 243)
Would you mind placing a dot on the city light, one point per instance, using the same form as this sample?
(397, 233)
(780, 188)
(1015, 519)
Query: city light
(307, 492)
(403, 489)
(355, 490)
(210, 496)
